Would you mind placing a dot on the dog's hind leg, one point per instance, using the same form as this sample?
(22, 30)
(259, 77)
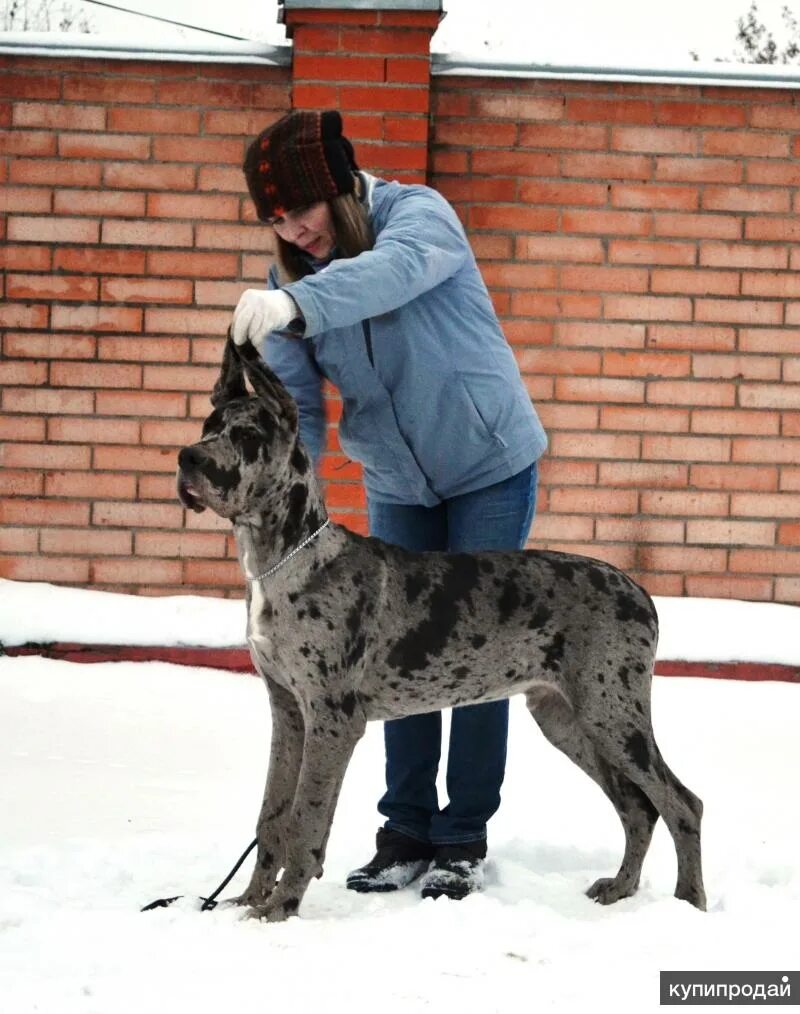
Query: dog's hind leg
(285, 757)
(327, 750)
(635, 752)
(557, 721)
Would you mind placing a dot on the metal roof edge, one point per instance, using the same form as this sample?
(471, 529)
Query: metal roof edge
(718, 74)
(58, 44)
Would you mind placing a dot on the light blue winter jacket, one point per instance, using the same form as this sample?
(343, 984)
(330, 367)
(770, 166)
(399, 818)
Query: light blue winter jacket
(433, 402)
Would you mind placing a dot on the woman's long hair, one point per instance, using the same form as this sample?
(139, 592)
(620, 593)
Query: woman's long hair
(352, 232)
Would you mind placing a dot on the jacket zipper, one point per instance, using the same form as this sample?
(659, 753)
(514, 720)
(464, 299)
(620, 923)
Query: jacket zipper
(365, 324)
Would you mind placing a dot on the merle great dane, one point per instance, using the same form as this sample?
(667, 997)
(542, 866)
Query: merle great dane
(345, 629)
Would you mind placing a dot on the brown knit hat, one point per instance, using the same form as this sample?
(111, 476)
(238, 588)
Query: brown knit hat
(301, 159)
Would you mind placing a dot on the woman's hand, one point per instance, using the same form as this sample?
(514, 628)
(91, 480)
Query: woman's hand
(260, 311)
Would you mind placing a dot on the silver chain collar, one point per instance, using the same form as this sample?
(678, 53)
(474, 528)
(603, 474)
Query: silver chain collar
(303, 544)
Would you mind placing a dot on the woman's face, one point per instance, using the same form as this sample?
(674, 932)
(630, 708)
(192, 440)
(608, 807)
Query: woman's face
(309, 228)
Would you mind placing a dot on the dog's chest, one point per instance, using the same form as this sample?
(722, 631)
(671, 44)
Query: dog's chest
(258, 626)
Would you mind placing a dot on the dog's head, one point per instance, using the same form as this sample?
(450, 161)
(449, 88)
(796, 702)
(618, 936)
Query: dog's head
(249, 453)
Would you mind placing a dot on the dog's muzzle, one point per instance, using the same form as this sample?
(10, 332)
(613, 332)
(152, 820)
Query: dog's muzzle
(189, 460)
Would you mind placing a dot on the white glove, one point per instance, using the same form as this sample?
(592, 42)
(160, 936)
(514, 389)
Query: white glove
(260, 311)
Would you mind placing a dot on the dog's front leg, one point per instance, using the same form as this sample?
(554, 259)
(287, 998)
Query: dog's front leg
(328, 748)
(285, 757)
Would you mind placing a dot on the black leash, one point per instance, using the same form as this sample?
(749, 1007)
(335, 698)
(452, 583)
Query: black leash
(210, 902)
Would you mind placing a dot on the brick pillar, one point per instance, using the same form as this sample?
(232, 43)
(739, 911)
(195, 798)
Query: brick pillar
(383, 93)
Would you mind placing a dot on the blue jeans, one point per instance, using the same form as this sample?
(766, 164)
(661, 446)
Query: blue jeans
(497, 517)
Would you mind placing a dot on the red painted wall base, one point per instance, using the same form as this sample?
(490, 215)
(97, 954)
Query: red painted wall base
(238, 660)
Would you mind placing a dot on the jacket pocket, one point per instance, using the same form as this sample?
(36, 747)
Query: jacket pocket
(484, 406)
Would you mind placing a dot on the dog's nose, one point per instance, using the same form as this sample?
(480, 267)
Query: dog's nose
(190, 457)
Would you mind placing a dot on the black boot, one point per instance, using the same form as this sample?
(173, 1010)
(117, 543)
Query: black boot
(398, 861)
(456, 871)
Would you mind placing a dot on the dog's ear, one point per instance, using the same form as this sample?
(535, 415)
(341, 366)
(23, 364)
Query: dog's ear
(230, 383)
(267, 385)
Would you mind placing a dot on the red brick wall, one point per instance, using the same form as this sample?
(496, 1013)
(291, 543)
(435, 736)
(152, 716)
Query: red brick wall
(639, 242)
(641, 245)
(127, 242)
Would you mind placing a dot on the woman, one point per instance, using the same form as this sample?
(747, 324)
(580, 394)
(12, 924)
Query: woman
(376, 289)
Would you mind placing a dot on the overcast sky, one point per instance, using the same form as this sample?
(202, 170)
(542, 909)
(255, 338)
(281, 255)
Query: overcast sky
(625, 32)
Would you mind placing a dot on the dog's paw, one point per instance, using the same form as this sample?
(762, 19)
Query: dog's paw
(273, 911)
(246, 900)
(607, 890)
(256, 896)
(694, 895)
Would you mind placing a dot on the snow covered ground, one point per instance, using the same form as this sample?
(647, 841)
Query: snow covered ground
(124, 782)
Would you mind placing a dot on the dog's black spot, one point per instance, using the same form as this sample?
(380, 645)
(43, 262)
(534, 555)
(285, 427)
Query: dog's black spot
(622, 672)
(290, 905)
(639, 708)
(601, 677)
(313, 609)
(554, 653)
(478, 641)
(510, 600)
(278, 811)
(348, 704)
(293, 526)
(597, 578)
(250, 448)
(511, 674)
(562, 569)
(636, 748)
(267, 422)
(355, 612)
(629, 609)
(462, 670)
(224, 479)
(317, 854)
(355, 651)
(428, 639)
(314, 519)
(686, 828)
(415, 584)
(541, 615)
(265, 860)
(299, 460)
